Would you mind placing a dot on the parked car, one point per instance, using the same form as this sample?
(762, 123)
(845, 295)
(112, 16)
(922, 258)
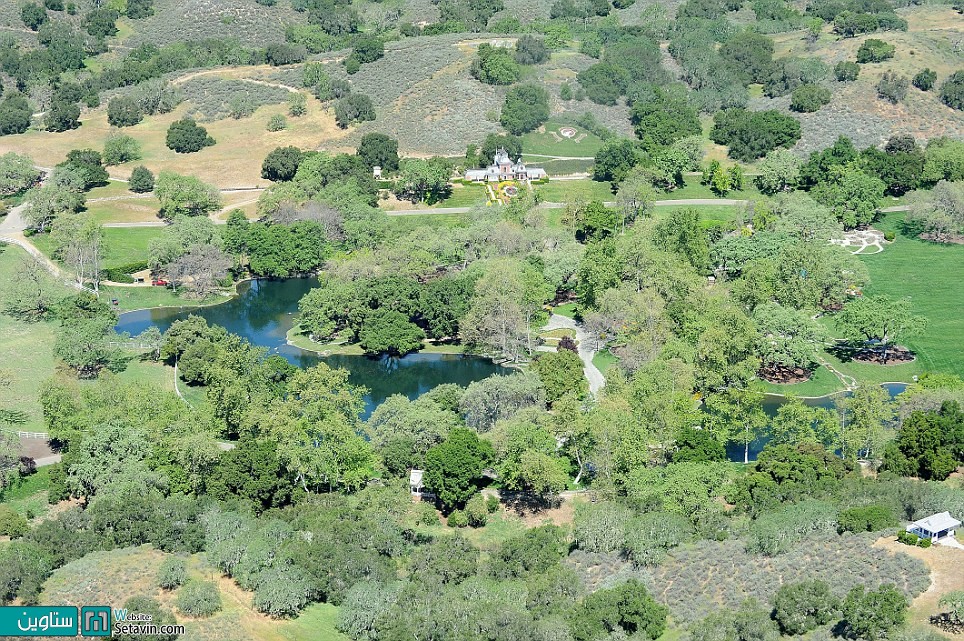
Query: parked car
(159, 282)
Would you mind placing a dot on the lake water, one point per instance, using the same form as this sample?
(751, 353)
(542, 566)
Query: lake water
(772, 403)
(263, 312)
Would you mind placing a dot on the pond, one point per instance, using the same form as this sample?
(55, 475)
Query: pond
(264, 311)
(772, 403)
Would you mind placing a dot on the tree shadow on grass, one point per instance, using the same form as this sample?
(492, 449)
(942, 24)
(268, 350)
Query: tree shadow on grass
(523, 503)
(845, 351)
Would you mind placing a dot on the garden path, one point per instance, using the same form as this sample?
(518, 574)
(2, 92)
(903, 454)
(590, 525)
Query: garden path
(586, 351)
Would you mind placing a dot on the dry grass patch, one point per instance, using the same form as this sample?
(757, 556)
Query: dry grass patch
(934, 40)
(235, 161)
(946, 567)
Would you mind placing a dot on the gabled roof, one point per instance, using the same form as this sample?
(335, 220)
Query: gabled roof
(937, 522)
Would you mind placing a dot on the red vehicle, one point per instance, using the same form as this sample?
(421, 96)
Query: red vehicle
(157, 282)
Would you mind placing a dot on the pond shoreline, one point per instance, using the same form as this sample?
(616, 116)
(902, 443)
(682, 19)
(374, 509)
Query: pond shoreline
(831, 394)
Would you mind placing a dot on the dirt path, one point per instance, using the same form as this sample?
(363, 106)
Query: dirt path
(228, 70)
(946, 566)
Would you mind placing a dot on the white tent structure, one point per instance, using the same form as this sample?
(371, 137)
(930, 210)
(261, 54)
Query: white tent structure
(935, 527)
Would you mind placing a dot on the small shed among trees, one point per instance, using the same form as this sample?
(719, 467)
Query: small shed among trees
(415, 481)
(935, 527)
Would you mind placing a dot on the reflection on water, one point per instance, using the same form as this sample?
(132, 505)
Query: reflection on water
(264, 311)
(772, 403)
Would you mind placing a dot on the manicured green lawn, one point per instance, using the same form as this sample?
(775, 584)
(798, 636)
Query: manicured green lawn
(568, 310)
(465, 196)
(693, 189)
(603, 360)
(26, 352)
(130, 298)
(317, 621)
(560, 191)
(122, 245)
(931, 276)
(822, 382)
(406, 224)
(549, 145)
(128, 244)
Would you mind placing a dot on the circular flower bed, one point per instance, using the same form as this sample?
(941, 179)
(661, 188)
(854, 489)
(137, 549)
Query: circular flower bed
(567, 132)
(511, 191)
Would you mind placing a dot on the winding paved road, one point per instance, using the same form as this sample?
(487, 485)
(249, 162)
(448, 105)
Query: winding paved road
(595, 377)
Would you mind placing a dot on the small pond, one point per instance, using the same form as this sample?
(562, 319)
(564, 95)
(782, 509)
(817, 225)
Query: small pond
(772, 402)
(263, 312)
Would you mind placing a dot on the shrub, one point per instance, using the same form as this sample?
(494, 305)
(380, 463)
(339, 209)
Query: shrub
(297, 105)
(123, 111)
(186, 136)
(352, 65)
(12, 524)
(871, 615)
(277, 122)
(458, 518)
(892, 87)
(809, 98)
(142, 180)
(907, 538)
(367, 48)
(284, 54)
(476, 511)
(119, 149)
(925, 79)
(846, 71)
(890, 235)
(353, 108)
(753, 134)
(172, 573)
(495, 66)
(530, 50)
(425, 514)
(924, 543)
(33, 16)
(871, 518)
(199, 598)
(492, 504)
(874, 50)
(952, 91)
(526, 108)
(801, 607)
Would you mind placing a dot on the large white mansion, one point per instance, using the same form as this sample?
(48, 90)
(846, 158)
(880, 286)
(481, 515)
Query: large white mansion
(502, 168)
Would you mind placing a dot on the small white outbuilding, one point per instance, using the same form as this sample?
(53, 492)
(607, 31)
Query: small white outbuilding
(935, 527)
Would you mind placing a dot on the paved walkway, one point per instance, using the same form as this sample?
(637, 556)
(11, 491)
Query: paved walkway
(586, 352)
(551, 205)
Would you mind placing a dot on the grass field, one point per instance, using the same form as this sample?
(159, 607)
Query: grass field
(821, 383)
(930, 275)
(112, 577)
(122, 245)
(26, 352)
(603, 360)
(560, 191)
(235, 161)
(926, 273)
(548, 142)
